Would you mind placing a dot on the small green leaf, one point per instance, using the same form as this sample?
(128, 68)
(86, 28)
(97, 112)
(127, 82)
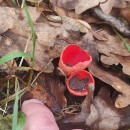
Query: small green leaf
(21, 121)
(13, 55)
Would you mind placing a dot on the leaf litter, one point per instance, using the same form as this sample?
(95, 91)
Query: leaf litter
(58, 24)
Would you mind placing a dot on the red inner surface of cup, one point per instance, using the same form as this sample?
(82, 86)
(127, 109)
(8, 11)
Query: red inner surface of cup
(81, 75)
(73, 54)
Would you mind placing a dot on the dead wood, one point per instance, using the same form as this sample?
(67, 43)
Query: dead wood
(114, 22)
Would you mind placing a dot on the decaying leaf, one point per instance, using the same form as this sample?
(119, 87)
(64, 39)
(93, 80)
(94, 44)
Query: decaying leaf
(100, 36)
(52, 92)
(100, 114)
(122, 100)
(81, 6)
(125, 13)
(19, 36)
(40, 94)
(115, 60)
(6, 19)
(120, 3)
(47, 36)
(75, 24)
(55, 89)
(107, 77)
(107, 6)
(112, 45)
(114, 51)
(104, 115)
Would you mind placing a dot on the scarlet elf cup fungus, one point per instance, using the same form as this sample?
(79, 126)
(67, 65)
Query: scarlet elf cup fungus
(73, 58)
(78, 81)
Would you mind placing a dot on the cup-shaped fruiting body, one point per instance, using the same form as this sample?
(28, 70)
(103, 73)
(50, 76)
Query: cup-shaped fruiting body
(78, 81)
(74, 58)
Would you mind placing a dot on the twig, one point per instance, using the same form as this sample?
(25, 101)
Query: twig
(114, 22)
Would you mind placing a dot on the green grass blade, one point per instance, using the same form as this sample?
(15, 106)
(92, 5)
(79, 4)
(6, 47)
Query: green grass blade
(126, 44)
(32, 30)
(33, 40)
(15, 111)
(29, 18)
(13, 55)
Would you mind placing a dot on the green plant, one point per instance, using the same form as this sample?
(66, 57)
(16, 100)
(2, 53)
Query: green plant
(15, 124)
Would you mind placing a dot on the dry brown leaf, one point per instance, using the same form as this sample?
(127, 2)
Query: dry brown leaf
(107, 6)
(101, 113)
(79, 5)
(75, 24)
(40, 94)
(16, 38)
(1, 1)
(56, 89)
(107, 77)
(6, 19)
(20, 32)
(122, 100)
(34, 13)
(58, 8)
(51, 92)
(67, 4)
(99, 36)
(113, 51)
(116, 59)
(125, 13)
(71, 23)
(112, 45)
(84, 5)
(60, 11)
(120, 4)
(104, 115)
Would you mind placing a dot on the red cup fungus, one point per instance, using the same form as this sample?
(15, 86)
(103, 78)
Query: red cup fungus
(78, 81)
(73, 58)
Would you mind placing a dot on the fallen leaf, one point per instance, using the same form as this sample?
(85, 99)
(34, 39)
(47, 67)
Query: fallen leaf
(114, 81)
(7, 20)
(107, 6)
(80, 6)
(107, 77)
(100, 36)
(113, 51)
(112, 45)
(51, 94)
(40, 94)
(19, 32)
(67, 4)
(125, 13)
(120, 4)
(99, 114)
(75, 24)
(56, 89)
(104, 115)
(115, 60)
